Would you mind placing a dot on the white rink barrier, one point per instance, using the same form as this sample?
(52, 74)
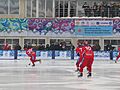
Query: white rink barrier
(6, 54)
(64, 55)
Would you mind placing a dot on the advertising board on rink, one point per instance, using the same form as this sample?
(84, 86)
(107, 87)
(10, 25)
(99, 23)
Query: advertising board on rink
(22, 54)
(6, 54)
(62, 54)
(44, 54)
(101, 55)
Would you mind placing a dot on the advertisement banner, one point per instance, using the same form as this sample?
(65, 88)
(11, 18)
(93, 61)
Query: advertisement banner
(44, 54)
(93, 30)
(115, 54)
(94, 22)
(62, 54)
(7, 54)
(22, 54)
(39, 55)
(101, 55)
(75, 55)
(116, 26)
(98, 55)
(94, 27)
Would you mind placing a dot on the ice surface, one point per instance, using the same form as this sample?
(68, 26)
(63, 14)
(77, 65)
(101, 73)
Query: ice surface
(57, 75)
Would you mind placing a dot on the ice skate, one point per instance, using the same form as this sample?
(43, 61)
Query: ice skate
(115, 61)
(39, 60)
(33, 65)
(29, 64)
(77, 70)
(89, 75)
(81, 74)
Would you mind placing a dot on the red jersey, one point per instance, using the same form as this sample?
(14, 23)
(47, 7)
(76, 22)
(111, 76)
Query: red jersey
(28, 52)
(80, 50)
(88, 52)
(77, 50)
(33, 55)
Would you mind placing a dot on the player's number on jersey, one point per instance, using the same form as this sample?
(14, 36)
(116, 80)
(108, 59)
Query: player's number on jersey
(88, 48)
(81, 49)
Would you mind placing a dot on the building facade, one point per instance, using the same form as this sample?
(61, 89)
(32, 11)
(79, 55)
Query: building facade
(60, 9)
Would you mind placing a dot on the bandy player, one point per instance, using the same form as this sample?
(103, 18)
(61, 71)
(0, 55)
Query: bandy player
(87, 59)
(32, 56)
(79, 51)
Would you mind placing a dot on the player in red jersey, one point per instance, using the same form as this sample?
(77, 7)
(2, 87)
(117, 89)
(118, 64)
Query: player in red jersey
(32, 56)
(79, 51)
(87, 60)
(117, 58)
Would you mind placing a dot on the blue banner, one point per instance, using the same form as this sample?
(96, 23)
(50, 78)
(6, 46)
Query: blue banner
(93, 30)
(62, 54)
(102, 55)
(6, 54)
(44, 54)
(115, 54)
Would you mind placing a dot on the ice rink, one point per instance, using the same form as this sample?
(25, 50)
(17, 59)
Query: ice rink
(57, 75)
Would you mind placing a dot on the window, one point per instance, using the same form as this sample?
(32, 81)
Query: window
(106, 42)
(14, 6)
(73, 8)
(56, 8)
(49, 6)
(95, 41)
(89, 41)
(118, 42)
(14, 42)
(44, 8)
(68, 41)
(114, 42)
(11, 42)
(9, 6)
(34, 42)
(26, 41)
(42, 41)
(41, 8)
(31, 8)
(63, 8)
(52, 41)
(1, 43)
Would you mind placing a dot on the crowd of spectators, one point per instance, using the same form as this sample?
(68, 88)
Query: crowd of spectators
(102, 9)
(56, 46)
(52, 46)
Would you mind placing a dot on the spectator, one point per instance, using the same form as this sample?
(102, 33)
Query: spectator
(95, 7)
(108, 47)
(25, 46)
(96, 47)
(47, 47)
(86, 8)
(52, 46)
(17, 47)
(102, 9)
(6, 46)
(41, 47)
